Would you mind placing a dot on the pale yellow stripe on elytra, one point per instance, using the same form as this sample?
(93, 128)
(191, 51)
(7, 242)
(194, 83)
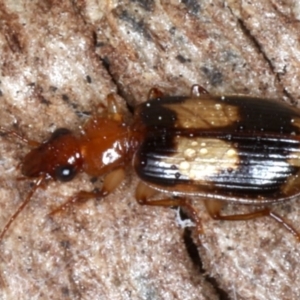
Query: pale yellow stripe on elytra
(294, 159)
(199, 158)
(203, 113)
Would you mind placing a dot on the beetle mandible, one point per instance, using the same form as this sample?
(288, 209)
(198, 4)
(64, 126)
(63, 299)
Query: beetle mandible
(222, 149)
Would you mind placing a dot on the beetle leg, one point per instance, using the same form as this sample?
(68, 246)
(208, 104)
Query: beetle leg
(144, 192)
(197, 90)
(111, 110)
(155, 93)
(112, 106)
(214, 209)
(110, 183)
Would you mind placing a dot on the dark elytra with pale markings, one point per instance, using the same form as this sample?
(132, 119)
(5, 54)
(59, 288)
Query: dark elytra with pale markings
(264, 136)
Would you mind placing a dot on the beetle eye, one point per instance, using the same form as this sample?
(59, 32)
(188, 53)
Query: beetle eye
(65, 173)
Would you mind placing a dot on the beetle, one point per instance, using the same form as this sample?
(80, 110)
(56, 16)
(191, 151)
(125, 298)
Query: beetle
(222, 149)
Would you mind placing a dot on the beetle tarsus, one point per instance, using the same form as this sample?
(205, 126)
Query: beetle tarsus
(286, 225)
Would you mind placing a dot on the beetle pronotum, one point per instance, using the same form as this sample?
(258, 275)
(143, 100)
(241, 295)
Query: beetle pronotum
(221, 149)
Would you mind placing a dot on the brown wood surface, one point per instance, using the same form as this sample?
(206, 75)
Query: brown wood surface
(59, 60)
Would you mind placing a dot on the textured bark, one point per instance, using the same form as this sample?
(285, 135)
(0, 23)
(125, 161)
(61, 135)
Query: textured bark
(59, 60)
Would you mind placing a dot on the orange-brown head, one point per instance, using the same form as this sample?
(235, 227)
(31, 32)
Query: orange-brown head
(58, 158)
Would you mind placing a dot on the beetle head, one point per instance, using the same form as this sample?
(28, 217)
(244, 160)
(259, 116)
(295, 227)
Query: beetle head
(58, 158)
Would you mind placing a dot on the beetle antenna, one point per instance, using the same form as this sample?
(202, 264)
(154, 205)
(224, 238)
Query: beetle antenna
(37, 184)
(25, 140)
